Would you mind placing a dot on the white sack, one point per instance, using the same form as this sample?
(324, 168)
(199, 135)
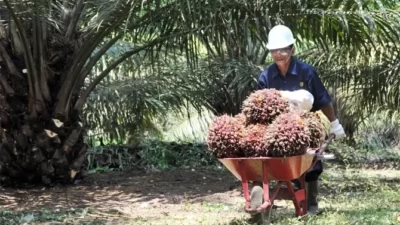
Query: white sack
(300, 99)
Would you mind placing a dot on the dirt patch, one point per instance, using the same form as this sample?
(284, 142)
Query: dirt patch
(144, 195)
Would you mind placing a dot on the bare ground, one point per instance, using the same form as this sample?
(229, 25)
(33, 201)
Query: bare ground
(148, 196)
(201, 196)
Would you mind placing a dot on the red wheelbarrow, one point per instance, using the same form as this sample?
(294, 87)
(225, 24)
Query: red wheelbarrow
(281, 169)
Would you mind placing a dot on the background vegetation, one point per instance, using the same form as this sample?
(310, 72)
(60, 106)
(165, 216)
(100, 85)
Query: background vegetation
(353, 45)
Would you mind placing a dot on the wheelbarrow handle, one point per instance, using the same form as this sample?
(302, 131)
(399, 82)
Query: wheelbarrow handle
(323, 147)
(320, 152)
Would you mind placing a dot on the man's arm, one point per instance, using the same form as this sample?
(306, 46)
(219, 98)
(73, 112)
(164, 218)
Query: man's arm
(329, 111)
(323, 102)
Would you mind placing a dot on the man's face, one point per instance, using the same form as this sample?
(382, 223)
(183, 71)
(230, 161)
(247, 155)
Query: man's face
(282, 56)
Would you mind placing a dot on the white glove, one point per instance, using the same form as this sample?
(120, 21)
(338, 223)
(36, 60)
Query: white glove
(301, 99)
(337, 129)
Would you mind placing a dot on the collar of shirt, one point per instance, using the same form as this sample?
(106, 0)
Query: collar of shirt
(292, 68)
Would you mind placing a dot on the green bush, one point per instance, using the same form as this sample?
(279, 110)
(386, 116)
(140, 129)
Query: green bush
(150, 153)
(356, 156)
(380, 131)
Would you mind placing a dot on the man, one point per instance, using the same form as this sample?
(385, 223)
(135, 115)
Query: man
(290, 74)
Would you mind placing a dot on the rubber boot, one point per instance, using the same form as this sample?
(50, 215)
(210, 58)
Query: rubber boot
(256, 197)
(312, 193)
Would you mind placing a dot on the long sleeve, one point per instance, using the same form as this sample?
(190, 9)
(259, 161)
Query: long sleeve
(318, 90)
(262, 80)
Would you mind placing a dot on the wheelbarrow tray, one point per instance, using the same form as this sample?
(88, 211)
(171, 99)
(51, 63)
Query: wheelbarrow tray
(279, 168)
(282, 169)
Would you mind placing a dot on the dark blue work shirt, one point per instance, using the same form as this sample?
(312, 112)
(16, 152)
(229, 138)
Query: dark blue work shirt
(299, 76)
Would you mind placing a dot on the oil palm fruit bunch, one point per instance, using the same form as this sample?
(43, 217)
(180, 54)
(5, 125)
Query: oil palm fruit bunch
(263, 106)
(253, 142)
(324, 121)
(241, 118)
(313, 121)
(224, 136)
(287, 135)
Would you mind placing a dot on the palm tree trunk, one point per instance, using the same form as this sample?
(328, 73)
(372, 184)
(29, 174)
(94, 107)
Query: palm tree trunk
(35, 147)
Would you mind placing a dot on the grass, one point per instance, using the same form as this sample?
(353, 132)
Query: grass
(348, 196)
(355, 196)
(53, 216)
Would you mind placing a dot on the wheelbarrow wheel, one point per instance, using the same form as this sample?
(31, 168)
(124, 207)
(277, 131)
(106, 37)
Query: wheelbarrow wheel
(257, 199)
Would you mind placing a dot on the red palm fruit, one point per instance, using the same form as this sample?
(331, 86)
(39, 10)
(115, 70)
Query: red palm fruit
(288, 135)
(224, 135)
(263, 106)
(253, 142)
(316, 128)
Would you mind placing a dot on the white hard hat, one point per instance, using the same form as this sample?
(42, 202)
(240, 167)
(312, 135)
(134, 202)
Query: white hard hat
(280, 36)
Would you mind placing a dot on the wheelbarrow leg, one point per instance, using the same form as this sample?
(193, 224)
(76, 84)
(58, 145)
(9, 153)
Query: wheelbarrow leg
(268, 201)
(260, 198)
(245, 185)
(299, 197)
(303, 187)
(255, 200)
